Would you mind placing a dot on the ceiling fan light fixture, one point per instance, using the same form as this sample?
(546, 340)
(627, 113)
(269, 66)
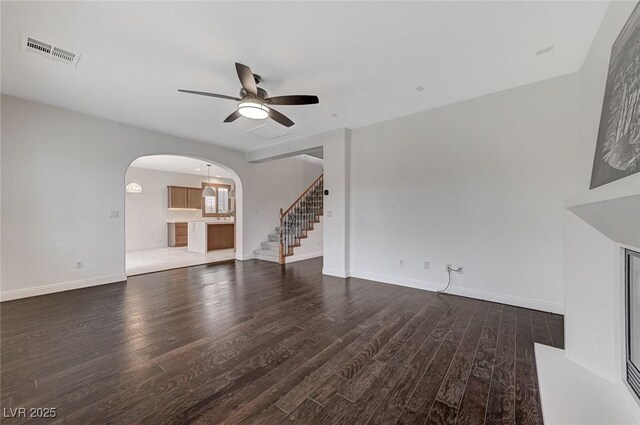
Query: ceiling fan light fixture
(253, 110)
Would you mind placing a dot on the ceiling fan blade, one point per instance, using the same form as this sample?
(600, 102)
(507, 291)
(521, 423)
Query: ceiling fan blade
(302, 99)
(204, 93)
(234, 116)
(246, 78)
(282, 119)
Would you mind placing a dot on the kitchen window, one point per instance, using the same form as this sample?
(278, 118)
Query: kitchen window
(219, 205)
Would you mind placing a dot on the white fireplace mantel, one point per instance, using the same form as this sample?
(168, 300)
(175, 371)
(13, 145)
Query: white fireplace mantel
(612, 209)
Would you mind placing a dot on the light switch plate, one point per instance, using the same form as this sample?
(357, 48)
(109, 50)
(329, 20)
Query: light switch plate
(114, 214)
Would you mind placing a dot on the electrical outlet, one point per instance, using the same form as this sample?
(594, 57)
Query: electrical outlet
(401, 263)
(427, 265)
(79, 264)
(454, 268)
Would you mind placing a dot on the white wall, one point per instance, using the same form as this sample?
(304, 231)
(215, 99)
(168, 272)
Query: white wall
(594, 293)
(480, 183)
(312, 246)
(147, 213)
(63, 172)
(591, 297)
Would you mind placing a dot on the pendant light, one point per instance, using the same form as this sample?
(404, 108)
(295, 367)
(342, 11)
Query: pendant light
(208, 191)
(134, 187)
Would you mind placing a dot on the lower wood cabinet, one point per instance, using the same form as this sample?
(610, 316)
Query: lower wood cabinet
(178, 234)
(220, 236)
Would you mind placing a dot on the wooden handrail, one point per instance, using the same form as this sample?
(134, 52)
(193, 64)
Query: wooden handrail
(307, 190)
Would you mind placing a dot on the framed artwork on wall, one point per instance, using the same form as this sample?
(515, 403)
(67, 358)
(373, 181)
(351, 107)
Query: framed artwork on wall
(618, 146)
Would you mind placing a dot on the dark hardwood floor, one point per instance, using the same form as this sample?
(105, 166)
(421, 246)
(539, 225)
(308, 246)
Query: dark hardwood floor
(251, 342)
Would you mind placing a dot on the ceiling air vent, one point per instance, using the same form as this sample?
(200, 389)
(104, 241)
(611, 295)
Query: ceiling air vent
(50, 51)
(38, 46)
(63, 55)
(268, 131)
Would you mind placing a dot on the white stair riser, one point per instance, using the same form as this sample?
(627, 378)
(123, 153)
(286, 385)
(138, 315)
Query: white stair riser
(274, 246)
(266, 258)
(266, 255)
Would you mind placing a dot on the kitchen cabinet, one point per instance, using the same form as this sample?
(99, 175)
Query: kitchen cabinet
(184, 197)
(194, 198)
(220, 236)
(178, 234)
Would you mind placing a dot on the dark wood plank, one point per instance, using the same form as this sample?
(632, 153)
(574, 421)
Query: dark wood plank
(528, 407)
(419, 405)
(271, 415)
(540, 329)
(408, 367)
(501, 403)
(254, 342)
(442, 414)
(556, 328)
(454, 384)
(474, 402)
(375, 383)
(305, 414)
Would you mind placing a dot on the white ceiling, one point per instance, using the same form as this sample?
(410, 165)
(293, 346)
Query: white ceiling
(179, 164)
(363, 59)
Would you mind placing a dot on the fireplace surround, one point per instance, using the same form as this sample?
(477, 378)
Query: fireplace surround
(632, 285)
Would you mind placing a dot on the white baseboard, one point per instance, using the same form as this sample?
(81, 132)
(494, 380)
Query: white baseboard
(465, 292)
(245, 257)
(59, 287)
(335, 272)
(300, 257)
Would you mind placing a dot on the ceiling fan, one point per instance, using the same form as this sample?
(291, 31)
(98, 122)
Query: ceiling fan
(255, 102)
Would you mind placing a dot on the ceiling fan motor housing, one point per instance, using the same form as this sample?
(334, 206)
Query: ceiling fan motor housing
(262, 94)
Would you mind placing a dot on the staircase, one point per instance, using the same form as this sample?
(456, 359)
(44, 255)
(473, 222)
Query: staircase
(295, 224)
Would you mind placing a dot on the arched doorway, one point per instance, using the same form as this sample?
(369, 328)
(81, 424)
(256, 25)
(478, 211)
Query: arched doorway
(169, 223)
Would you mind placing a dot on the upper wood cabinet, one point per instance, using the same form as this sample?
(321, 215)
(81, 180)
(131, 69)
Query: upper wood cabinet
(184, 197)
(194, 198)
(177, 197)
